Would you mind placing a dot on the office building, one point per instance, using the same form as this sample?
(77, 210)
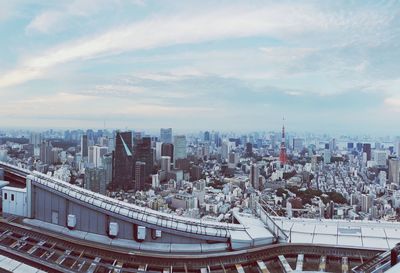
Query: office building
(46, 154)
(367, 150)
(107, 165)
(35, 139)
(166, 135)
(379, 157)
(95, 179)
(366, 202)
(167, 149)
(140, 175)
(98, 154)
(123, 161)
(84, 146)
(249, 149)
(254, 176)
(394, 171)
(166, 163)
(298, 144)
(327, 156)
(179, 147)
(144, 153)
(207, 136)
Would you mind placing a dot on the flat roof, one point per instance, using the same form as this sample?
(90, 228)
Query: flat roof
(368, 234)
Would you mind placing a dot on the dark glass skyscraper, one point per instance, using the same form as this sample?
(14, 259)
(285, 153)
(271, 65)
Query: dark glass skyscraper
(367, 150)
(123, 162)
(84, 146)
(167, 149)
(144, 153)
(140, 175)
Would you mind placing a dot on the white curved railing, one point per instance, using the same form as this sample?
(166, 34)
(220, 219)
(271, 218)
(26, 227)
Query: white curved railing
(135, 212)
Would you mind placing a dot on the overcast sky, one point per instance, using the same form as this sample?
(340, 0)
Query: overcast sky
(232, 65)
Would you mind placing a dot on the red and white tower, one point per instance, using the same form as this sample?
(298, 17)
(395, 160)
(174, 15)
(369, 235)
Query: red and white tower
(282, 155)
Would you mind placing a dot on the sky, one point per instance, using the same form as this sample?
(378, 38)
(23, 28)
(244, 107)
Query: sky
(326, 66)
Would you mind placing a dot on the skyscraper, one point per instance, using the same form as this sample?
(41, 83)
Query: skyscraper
(254, 176)
(394, 171)
(367, 150)
(167, 149)
(95, 179)
(46, 152)
(166, 135)
(91, 155)
(35, 139)
(98, 153)
(140, 175)
(207, 136)
(179, 147)
(144, 153)
(84, 146)
(380, 158)
(366, 202)
(249, 149)
(107, 164)
(123, 161)
(166, 163)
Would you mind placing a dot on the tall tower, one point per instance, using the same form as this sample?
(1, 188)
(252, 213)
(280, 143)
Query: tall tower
(282, 155)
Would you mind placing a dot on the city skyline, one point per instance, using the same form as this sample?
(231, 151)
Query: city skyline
(326, 67)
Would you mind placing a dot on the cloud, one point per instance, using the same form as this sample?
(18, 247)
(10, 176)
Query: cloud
(276, 20)
(55, 19)
(393, 102)
(46, 22)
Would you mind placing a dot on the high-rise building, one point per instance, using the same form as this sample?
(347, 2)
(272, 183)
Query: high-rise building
(167, 149)
(394, 171)
(226, 148)
(207, 136)
(155, 181)
(123, 161)
(179, 147)
(144, 153)
(327, 156)
(367, 150)
(98, 153)
(46, 152)
(332, 145)
(166, 163)
(249, 149)
(350, 146)
(140, 175)
(254, 176)
(298, 144)
(84, 146)
(380, 158)
(91, 155)
(95, 179)
(233, 160)
(366, 202)
(397, 148)
(166, 135)
(158, 150)
(107, 165)
(35, 139)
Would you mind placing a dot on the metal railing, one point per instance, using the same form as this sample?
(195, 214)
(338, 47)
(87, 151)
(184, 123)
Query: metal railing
(276, 230)
(135, 212)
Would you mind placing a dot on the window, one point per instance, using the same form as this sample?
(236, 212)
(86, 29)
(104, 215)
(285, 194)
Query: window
(5, 196)
(12, 197)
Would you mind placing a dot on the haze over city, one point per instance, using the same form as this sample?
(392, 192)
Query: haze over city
(226, 65)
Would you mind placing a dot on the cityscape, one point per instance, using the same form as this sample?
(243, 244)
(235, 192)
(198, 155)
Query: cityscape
(199, 136)
(208, 174)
